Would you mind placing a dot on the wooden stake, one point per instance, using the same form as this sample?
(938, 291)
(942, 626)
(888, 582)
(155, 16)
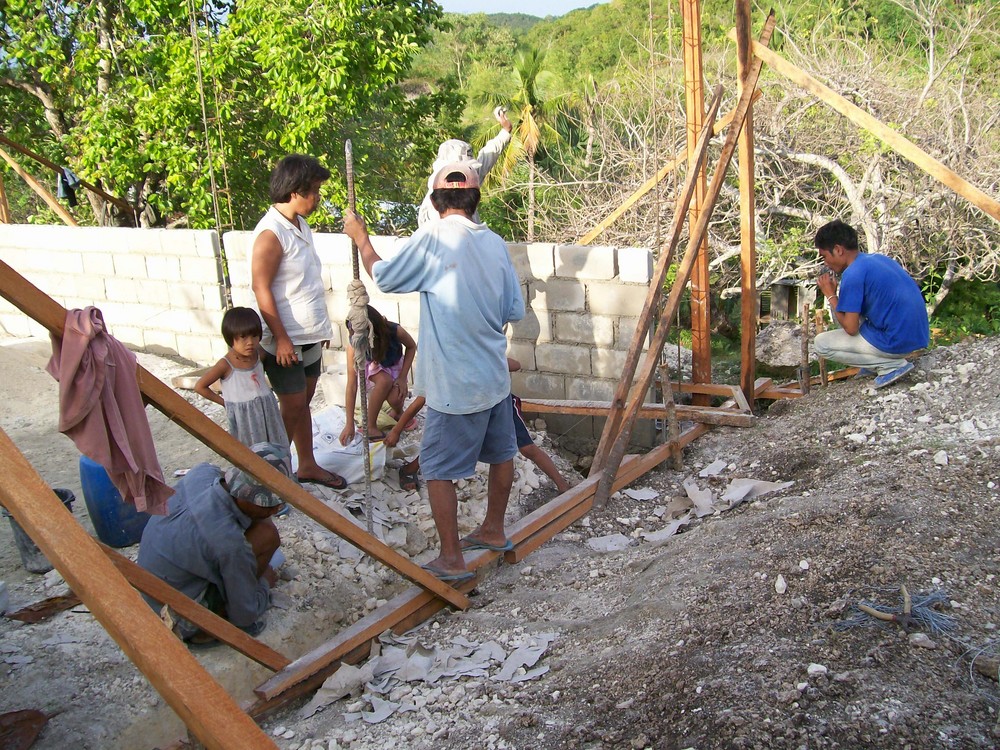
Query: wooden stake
(4, 205)
(820, 322)
(887, 135)
(617, 452)
(198, 700)
(694, 106)
(29, 299)
(748, 237)
(804, 374)
(45, 195)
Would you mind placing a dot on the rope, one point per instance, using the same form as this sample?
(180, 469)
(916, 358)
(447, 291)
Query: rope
(360, 338)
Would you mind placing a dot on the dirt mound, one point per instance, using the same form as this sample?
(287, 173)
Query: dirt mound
(740, 631)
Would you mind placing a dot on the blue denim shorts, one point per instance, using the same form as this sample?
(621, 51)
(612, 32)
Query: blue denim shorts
(453, 443)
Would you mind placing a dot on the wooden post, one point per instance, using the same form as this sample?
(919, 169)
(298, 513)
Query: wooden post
(32, 301)
(4, 205)
(748, 237)
(820, 321)
(887, 135)
(694, 103)
(201, 703)
(36, 186)
(804, 376)
(696, 236)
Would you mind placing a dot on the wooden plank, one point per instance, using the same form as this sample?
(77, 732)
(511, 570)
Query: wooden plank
(694, 108)
(188, 689)
(820, 323)
(761, 384)
(123, 205)
(896, 141)
(187, 608)
(45, 195)
(805, 378)
(748, 237)
(696, 235)
(702, 414)
(29, 299)
(653, 294)
(4, 205)
(774, 394)
(679, 158)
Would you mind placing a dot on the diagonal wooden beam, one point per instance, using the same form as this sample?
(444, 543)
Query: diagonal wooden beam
(189, 609)
(679, 158)
(35, 185)
(896, 141)
(185, 685)
(619, 440)
(29, 299)
(653, 294)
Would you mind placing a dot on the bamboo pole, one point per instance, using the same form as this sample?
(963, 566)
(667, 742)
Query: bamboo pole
(620, 443)
(804, 374)
(201, 703)
(694, 105)
(748, 237)
(37, 187)
(899, 143)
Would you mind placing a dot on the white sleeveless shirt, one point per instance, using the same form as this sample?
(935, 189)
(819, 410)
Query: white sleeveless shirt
(298, 283)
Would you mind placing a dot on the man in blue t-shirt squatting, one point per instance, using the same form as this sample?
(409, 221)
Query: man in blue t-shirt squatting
(880, 309)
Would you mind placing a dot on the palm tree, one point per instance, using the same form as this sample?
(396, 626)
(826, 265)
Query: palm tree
(533, 113)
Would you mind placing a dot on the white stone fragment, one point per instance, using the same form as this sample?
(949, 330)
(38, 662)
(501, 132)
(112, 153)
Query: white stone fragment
(941, 458)
(779, 584)
(815, 669)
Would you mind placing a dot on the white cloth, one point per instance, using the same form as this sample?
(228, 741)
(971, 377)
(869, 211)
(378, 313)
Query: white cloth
(298, 284)
(453, 151)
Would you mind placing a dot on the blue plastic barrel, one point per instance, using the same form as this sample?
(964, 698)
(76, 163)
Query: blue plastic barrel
(117, 523)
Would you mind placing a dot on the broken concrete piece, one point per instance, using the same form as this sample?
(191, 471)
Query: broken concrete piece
(609, 543)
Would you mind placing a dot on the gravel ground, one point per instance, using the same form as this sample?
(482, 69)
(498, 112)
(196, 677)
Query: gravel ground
(740, 631)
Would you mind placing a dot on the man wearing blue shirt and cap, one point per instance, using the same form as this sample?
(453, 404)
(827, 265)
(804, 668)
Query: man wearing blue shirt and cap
(879, 307)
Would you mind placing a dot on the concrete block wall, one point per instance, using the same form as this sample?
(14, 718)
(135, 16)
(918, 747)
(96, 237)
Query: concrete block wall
(160, 290)
(163, 291)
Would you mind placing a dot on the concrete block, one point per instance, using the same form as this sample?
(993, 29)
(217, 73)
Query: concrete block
(615, 299)
(584, 329)
(535, 327)
(563, 358)
(523, 352)
(236, 245)
(409, 312)
(17, 325)
(607, 363)
(635, 265)
(538, 385)
(215, 297)
(333, 248)
(186, 296)
(99, 264)
(160, 342)
(579, 262)
(91, 288)
(590, 389)
(557, 295)
(571, 425)
(200, 349)
(333, 382)
(121, 290)
(131, 336)
(202, 243)
(626, 332)
(130, 266)
(519, 257)
(541, 259)
(200, 270)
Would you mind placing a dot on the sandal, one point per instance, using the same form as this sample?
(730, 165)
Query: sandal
(408, 481)
(336, 482)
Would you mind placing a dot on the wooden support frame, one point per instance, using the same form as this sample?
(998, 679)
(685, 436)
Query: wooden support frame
(619, 431)
(679, 158)
(694, 107)
(29, 299)
(748, 214)
(700, 414)
(897, 142)
(206, 709)
(35, 185)
(122, 204)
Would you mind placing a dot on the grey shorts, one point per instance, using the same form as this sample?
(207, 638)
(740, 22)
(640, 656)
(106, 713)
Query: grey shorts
(453, 443)
(291, 379)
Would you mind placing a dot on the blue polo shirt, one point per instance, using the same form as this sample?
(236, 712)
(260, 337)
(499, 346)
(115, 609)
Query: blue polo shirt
(893, 315)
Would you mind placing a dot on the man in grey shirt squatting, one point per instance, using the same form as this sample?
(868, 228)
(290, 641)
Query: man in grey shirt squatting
(468, 292)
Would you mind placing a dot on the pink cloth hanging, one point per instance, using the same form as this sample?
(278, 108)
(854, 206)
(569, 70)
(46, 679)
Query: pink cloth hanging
(101, 408)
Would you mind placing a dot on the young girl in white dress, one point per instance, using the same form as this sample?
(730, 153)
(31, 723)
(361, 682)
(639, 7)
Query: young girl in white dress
(251, 406)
